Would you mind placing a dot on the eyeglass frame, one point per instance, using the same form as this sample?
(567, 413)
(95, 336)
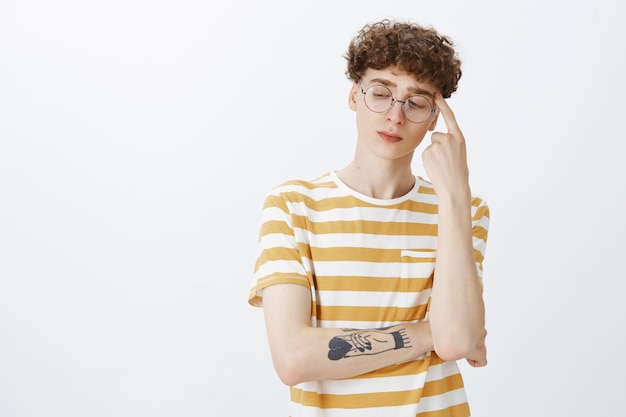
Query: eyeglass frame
(394, 100)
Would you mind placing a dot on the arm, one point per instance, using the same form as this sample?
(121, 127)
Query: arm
(457, 312)
(301, 352)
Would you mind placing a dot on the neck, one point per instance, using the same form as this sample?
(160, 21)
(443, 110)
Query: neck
(384, 181)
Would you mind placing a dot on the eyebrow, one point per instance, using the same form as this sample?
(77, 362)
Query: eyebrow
(413, 90)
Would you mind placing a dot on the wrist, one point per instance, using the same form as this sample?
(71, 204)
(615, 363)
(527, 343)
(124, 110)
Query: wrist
(460, 196)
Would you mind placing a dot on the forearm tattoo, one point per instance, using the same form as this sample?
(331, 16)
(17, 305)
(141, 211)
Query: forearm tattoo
(366, 342)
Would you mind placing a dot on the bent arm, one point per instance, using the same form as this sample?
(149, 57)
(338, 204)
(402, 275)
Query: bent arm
(457, 311)
(301, 352)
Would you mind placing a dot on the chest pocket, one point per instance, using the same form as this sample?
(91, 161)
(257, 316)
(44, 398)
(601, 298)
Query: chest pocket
(416, 281)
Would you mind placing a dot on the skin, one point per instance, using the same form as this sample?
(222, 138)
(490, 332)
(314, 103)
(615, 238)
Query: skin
(381, 168)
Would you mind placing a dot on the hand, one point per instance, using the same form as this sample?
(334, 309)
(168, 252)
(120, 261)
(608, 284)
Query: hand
(445, 159)
(478, 357)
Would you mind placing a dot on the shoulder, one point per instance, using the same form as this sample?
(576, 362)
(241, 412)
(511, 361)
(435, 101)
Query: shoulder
(299, 188)
(300, 197)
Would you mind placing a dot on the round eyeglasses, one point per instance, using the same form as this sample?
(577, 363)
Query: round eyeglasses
(416, 109)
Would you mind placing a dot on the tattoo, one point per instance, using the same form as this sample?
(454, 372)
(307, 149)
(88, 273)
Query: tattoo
(366, 342)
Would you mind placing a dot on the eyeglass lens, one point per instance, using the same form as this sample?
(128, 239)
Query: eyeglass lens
(416, 108)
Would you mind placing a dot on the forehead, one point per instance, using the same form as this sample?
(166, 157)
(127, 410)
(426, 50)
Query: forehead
(398, 81)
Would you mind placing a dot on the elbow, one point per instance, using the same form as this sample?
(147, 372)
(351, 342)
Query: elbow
(289, 377)
(452, 351)
(290, 368)
(455, 347)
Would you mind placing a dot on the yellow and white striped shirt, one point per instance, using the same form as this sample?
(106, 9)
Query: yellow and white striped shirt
(369, 264)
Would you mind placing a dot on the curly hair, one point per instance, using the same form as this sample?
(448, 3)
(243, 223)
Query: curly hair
(412, 48)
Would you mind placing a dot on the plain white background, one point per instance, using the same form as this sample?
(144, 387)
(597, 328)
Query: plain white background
(137, 139)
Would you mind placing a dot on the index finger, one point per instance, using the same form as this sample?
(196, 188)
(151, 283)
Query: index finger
(446, 112)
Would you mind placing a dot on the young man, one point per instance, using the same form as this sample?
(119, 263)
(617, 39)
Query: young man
(370, 277)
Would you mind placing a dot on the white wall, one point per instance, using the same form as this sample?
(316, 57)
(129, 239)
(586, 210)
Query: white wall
(138, 137)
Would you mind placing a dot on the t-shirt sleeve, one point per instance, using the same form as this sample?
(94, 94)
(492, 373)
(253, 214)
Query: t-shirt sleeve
(480, 231)
(279, 260)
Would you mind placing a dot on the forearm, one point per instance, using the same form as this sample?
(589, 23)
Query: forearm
(301, 352)
(457, 312)
(322, 354)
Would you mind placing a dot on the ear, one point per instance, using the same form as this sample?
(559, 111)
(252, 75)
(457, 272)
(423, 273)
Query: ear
(353, 95)
(434, 122)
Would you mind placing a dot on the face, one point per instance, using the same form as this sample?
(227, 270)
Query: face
(389, 134)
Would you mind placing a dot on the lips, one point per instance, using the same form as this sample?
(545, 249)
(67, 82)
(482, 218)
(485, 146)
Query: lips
(389, 137)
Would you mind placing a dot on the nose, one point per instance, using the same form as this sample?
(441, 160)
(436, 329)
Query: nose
(395, 114)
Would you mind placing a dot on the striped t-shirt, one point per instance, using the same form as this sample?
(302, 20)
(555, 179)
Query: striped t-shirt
(369, 264)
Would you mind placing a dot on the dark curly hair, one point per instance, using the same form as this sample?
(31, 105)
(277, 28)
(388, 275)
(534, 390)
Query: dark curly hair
(418, 50)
